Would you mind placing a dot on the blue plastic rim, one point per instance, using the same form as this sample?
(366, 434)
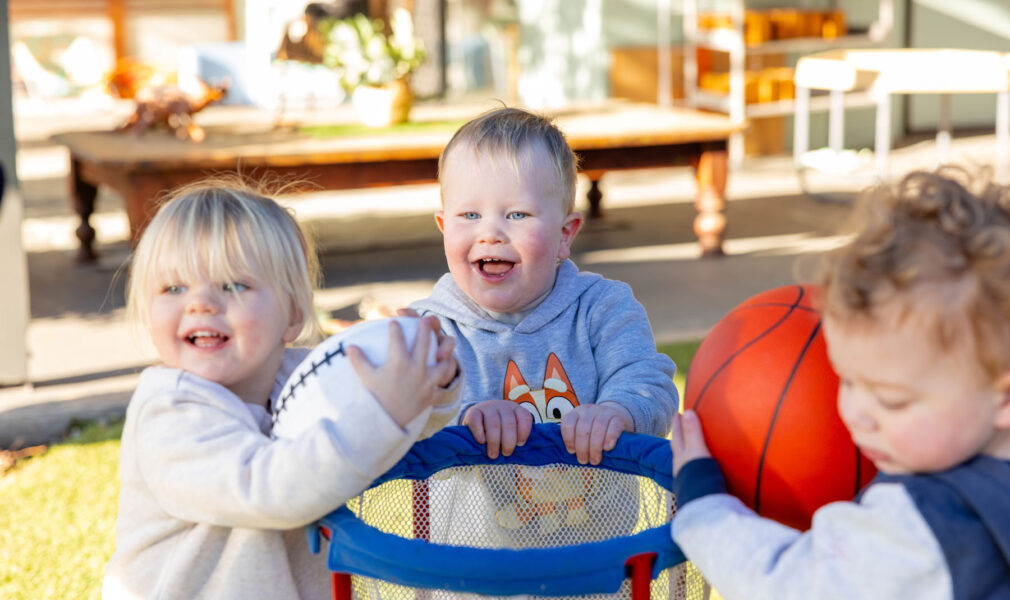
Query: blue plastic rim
(590, 568)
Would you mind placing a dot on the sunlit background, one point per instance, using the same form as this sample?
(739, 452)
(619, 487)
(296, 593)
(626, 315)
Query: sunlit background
(86, 64)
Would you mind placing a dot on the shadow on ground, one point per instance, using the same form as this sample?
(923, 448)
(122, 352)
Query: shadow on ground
(62, 287)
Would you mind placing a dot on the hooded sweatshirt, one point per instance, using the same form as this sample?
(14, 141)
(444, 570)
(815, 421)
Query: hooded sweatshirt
(589, 341)
(925, 536)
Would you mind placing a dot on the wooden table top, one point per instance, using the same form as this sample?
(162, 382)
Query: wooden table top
(615, 124)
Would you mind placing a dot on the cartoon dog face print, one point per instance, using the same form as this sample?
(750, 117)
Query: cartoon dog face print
(550, 403)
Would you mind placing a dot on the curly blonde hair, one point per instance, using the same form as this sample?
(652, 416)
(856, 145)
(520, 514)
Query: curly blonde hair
(223, 227)
(515, 133)
(938, 249)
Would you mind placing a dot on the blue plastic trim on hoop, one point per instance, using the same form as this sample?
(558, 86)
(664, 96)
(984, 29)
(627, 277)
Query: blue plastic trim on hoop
(590, 568)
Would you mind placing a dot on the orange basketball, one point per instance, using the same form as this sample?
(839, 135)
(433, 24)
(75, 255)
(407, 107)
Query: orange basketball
(766, 395)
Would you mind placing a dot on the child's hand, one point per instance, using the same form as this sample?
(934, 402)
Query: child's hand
(446, 343)
(590, 429)
(500, 424)
(405, 385)
(687, 440)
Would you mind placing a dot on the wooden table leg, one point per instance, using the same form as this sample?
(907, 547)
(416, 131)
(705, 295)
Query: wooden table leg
(82, 197)
(594, 195)
(710, 223)
(141, 197)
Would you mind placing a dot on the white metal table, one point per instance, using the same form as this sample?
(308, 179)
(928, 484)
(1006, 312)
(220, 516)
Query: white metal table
(882, 73)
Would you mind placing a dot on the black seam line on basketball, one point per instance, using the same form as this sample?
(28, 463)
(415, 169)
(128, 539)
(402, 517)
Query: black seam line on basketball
(704, 388)
(775, 416)
(808, 309)
(282, 402)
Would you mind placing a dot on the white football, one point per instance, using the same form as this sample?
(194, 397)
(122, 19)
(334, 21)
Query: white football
(315, 388)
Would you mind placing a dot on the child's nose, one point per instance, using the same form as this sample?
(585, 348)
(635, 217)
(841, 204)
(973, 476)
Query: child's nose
(491, 231)
(203, 300)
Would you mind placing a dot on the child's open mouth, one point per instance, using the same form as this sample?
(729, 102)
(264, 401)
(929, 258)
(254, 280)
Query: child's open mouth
(206, 339)
(495, 267)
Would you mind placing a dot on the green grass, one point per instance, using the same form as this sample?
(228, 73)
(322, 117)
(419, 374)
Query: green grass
(681, 353)
(328, 131)
(57, 518)
(58, 511)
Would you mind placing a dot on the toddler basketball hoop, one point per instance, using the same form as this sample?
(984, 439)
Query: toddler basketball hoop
(447, 522)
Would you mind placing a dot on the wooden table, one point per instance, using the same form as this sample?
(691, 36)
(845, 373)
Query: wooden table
(615, 135)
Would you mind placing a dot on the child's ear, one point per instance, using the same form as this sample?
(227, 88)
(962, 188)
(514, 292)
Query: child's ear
(294, 328)
(569, 228)
(440, 220)
(1003, 408)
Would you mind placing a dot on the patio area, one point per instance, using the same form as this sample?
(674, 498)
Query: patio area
(382, 246)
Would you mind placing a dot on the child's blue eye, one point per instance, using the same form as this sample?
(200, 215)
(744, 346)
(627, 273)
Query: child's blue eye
(516, 215)
(470, 216)
(174, 289)
(235, 287)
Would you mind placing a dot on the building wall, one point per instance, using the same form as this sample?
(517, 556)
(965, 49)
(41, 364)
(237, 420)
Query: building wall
(970, 24)
(632, 23)
(13, 269)
(974, 24)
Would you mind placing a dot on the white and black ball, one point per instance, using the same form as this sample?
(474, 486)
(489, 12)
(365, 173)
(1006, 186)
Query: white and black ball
(316, 387)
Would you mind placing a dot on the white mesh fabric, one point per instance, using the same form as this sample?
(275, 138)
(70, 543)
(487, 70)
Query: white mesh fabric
(513, 506)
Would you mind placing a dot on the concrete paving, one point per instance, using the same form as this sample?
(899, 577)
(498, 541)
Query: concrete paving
(382, 246)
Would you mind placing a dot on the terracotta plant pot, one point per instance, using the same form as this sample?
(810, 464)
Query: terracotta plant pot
(381, 106)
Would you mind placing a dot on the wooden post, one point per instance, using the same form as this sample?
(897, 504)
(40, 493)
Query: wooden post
(710, 224)
(14, 304)
(379, 9)
(117, 14)
(229, 15)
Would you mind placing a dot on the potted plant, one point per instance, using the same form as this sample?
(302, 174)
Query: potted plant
(372, 66)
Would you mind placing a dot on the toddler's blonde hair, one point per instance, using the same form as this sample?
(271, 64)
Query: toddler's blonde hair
(941, 252)
(516, 133)
(222, 228)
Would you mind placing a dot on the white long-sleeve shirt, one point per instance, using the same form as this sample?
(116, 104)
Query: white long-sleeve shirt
(880, 548)
(927, 536)
(211, 507)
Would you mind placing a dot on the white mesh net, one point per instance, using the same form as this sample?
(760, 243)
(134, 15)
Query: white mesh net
(515, 507)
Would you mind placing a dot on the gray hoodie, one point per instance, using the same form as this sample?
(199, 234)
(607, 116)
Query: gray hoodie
(590, 327)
